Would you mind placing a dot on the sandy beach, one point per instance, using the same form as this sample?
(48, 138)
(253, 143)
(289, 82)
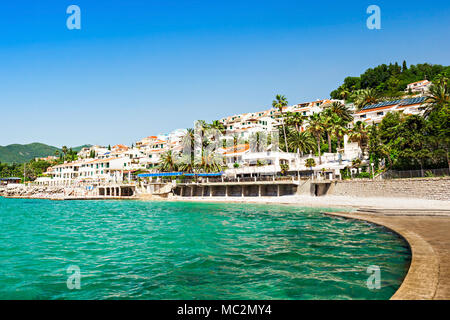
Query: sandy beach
(418, 206)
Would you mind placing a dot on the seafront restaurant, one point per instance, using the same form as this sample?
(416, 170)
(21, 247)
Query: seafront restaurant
(12, 180)
(219, 185)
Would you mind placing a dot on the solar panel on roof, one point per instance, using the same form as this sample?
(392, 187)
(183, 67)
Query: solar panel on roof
(400, 102)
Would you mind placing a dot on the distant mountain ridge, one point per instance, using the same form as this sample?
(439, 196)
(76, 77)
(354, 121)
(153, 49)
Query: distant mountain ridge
(21, 153)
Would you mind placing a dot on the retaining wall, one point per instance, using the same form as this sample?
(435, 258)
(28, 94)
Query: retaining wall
(421, 188)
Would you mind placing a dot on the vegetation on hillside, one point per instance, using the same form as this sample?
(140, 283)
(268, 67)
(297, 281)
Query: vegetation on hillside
(22, 153)
(401, 142)
(17, 153)
(387, 82)
(33, 169)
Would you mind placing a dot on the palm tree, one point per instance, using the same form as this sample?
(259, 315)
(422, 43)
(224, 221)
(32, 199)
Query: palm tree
(365, 97)
(201, 126)
(344, 93)
(186, 164)
(338, 128)
(64, 150)
(258, 141)
(295, 119)
(302, 142)
(316, 128)
(187, 141)
(167, 163)
(438, 96)
(342, 111)
(360, 134)
(209, 162)
(279, 103)
(327, 117)
(216, 124)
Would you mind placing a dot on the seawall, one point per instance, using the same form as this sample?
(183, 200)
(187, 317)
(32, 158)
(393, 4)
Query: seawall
(418, 188)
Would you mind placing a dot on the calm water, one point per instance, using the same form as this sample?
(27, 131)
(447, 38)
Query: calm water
(161, 250)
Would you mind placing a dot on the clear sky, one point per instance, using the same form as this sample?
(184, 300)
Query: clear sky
(139, 68)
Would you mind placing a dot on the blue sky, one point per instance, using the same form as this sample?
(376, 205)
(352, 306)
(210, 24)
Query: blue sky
(138, 68)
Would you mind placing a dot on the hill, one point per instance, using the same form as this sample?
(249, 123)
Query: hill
(389, 80)
(20, 153)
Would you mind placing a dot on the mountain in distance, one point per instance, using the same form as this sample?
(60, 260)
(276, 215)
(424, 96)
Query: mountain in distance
(21, 153)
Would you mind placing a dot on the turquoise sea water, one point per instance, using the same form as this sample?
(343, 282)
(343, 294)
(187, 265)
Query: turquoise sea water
(175, 250)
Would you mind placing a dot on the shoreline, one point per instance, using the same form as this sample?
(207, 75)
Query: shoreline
(413, 206)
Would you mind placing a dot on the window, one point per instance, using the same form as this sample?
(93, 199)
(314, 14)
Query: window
(124, 164)
(363, 116)
(380, 113)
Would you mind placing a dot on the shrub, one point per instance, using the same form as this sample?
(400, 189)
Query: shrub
(364, 175)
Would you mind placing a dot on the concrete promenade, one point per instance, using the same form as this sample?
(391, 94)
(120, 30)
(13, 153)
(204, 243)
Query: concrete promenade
(428, 234)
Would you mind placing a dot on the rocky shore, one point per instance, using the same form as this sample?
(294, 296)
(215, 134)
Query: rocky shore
(40, 192)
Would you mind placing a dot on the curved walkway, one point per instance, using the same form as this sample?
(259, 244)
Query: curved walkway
(428, 235)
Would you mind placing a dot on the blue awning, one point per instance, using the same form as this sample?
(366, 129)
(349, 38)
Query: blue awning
(160, 174)
(218, 174)
(172, 174)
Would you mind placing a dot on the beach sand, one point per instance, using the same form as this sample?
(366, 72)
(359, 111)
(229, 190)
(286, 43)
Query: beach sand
(409, 205)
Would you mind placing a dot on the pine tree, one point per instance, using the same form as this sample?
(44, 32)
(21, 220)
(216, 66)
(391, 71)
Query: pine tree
(405, 67)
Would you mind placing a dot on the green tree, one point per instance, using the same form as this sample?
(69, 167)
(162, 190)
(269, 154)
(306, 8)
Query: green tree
(437, 97)
(217, 125)
(411, 141)
(342, 111)
(295, 119)
(64, 150)
(258, 141)
(310, 163)
(338, 128)
(327, 124)
(279, 103)
(359, 134)
(316, 128)
(302, 142)
(167, 162)
(365, 97)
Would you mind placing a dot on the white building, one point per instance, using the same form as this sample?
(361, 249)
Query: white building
(376, 112)
(419, 86)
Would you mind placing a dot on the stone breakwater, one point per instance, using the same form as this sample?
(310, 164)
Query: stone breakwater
(39, 192)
